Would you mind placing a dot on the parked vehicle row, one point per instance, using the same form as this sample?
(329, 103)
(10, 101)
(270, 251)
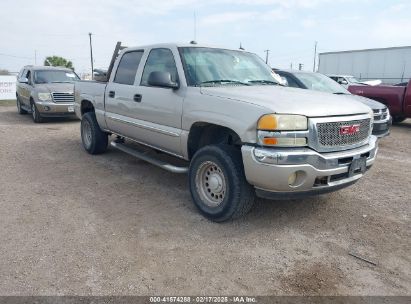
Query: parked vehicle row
(239, 131)
(397, 98)
(320, 82)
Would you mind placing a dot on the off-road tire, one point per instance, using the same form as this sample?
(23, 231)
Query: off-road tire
(94, 140)
(239, 194)
(19, 109)
(35, 113)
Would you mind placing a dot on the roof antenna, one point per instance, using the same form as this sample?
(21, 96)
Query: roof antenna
(241, 47)
(195, 29)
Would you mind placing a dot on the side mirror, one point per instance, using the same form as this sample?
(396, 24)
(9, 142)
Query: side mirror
(284, 81)
(23, 80)
(162, 80)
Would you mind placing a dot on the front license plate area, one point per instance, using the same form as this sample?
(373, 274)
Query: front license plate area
(358, 166)
(70, 109)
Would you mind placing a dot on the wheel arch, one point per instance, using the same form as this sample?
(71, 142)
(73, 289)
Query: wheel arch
(86, 106)
(204, 133)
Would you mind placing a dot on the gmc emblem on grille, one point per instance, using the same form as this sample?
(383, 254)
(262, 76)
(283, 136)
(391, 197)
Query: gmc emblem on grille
(349, 130)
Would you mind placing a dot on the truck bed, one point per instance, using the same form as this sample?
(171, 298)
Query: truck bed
(394, 97)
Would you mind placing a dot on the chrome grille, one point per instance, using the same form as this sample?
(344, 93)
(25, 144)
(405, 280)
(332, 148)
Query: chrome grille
(63, 97)
(329, 133)
(380, 114)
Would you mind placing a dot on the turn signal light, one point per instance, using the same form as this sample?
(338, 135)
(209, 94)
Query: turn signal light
(267, 122)
(270, 141)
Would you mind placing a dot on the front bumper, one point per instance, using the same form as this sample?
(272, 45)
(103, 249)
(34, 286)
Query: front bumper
(382, 128)
(269, 170)
(53, 109)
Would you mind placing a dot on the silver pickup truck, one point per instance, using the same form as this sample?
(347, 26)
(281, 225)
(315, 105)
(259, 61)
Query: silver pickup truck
(239, 132)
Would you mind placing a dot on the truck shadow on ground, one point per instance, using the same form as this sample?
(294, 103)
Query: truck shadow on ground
(160, 190)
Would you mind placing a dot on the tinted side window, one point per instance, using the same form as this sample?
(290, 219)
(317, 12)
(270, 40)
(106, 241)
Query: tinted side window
(28, 76)
(159, 60)
(127, 68)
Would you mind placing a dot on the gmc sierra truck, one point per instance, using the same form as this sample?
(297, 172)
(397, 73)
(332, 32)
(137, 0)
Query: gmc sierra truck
(396, 98)
(237, 130)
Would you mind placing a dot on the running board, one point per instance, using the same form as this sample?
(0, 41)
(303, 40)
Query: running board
(149, 159)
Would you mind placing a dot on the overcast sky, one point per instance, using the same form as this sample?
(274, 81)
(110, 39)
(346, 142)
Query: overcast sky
(288, 28)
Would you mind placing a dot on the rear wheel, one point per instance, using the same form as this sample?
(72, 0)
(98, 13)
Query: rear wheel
(218, 185)
(94, 140)
(398, 119)
(19, 109)
(35, 113)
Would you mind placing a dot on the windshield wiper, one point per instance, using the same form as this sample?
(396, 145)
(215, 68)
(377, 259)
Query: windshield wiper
(221, 81)
(269, 82)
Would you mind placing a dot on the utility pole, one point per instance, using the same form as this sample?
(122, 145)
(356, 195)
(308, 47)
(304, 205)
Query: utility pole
(91, 57)
(315, 55)
(300, 66)
(266, 56)
(35, 57)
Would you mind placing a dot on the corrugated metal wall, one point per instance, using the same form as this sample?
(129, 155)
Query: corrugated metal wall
(391, 65)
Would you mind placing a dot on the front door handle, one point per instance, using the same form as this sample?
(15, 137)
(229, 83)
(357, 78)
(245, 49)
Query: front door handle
(111, 94)
(138, 97)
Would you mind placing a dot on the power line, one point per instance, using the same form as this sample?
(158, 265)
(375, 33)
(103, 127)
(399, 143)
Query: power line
(8, 55)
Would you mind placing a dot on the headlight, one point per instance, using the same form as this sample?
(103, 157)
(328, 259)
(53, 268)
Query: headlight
(44, 96)
(283, 122)
(283, 130)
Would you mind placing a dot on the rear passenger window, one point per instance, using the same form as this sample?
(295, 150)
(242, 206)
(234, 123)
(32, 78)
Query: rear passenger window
(159, 60)
(127, 68)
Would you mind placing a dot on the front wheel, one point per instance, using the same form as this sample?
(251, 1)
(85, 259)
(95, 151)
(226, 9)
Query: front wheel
(35, 113)
(94, 139)
(218, 185)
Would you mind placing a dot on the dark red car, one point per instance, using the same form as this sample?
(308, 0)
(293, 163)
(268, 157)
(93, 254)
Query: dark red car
(396, 98)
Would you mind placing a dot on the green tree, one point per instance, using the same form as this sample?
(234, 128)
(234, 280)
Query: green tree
(58, 61)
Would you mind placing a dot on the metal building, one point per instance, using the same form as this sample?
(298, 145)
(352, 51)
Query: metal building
(391, 65)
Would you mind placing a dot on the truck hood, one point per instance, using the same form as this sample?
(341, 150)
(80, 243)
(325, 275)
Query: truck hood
(375, 105)
(290, 100)
(56, 87)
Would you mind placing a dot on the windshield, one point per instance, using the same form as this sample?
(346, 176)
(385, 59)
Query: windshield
(320, 82)
(54, 76)
(209, 66)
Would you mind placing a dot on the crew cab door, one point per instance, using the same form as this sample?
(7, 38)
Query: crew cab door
(119, 94)
(150, 115)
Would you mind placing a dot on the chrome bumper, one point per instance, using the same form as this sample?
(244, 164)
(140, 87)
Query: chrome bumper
(271, 171)
(49, 108)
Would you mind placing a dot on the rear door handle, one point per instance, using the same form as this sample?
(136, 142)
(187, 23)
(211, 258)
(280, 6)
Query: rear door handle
(111, 94)
(138, 97)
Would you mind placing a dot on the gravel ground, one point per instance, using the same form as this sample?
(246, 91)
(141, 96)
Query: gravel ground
(75, 224)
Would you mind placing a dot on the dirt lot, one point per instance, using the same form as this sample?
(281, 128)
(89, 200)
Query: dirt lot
(76, 224)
